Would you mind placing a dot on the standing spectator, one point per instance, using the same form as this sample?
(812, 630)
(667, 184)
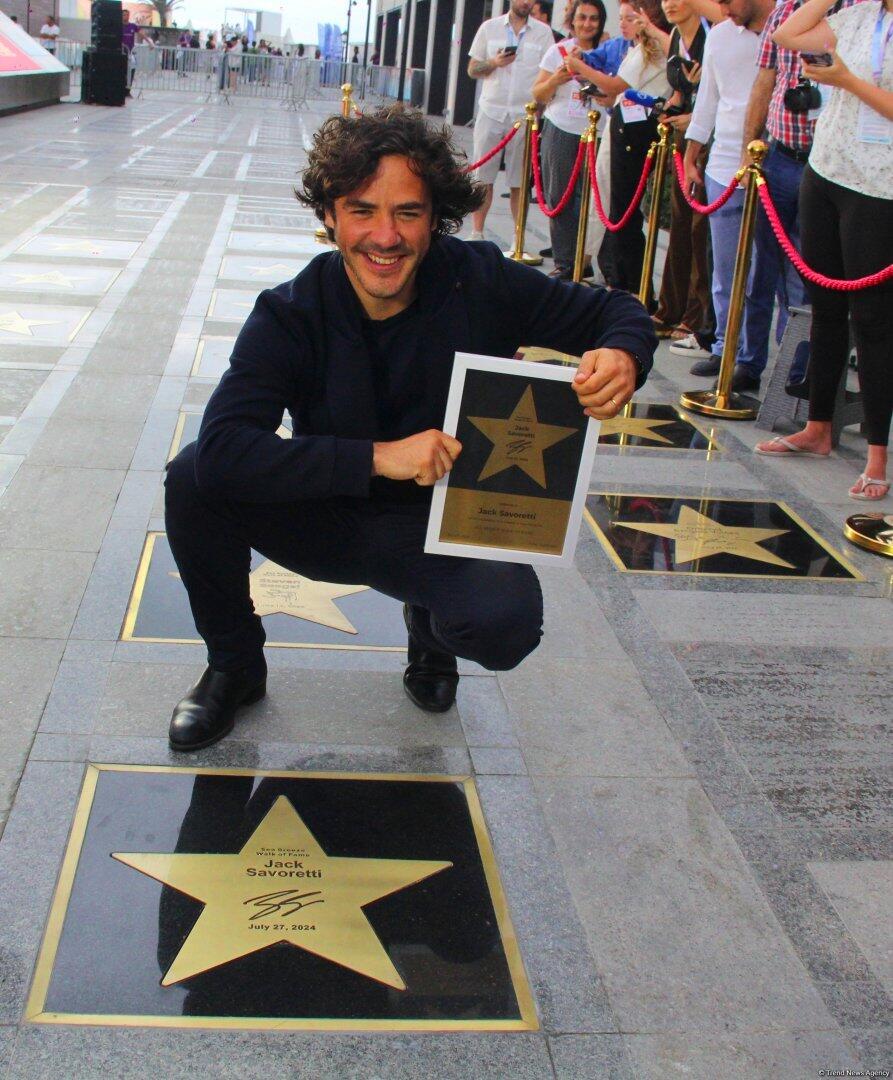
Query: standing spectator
(506, 54)
(355, 59)
(684, 304)
(128, 37)
(632, 129)
(300, 52)
(728, 75)
(542, 12)
(564, 121)
(846, 219)
(48, 34)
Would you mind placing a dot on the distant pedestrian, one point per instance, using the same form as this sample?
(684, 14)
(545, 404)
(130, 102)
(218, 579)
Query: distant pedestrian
(48, 34)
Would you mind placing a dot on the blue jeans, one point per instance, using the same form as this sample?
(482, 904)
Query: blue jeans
(771, 271)
(725, 225)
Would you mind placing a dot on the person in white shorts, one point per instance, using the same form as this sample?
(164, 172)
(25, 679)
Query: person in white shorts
(506, 53)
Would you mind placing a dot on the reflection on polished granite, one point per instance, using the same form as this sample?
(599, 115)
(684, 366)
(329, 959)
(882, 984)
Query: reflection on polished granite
(298, 612)
(126, 946)
(646, 533)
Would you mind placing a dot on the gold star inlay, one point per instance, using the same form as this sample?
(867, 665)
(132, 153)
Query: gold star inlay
(276, 590)
(640, 427)
(697, 536)
(52, 277)
(275, 268)
(282, 887)
(11, 322)
(520, 440)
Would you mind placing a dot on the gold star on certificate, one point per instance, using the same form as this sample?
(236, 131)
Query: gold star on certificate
(640, 427)
(11, 322)
(282, 887)
(275, 268)
(520, 440)
(276, 590)
(697, 536)
(52, 277)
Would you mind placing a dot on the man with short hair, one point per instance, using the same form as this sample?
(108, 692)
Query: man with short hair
(506, 54)
(542, 12)
(48, 34)
(359, 349)
(728, 74)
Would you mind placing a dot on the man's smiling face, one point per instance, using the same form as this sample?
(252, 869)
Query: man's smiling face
(383, 230)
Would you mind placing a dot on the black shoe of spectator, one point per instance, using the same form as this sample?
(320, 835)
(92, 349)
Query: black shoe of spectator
(743, 380)
(705, 367)
(546, 253)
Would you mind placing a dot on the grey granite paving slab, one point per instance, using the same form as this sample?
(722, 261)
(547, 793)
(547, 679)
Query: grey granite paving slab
(862, 894)
(762, 1055)
(742, 619)
(589, 718)
(101, 613)
(7, 1043)
(682, 933)
(17, 388)
(306, 706)
(76, 697)
(109, 396)
(40, 591)
(484, 714)
(134, 1053)
(86, 444)
(498, 761)
(591, 1057)
(565, 977)
(50, 508)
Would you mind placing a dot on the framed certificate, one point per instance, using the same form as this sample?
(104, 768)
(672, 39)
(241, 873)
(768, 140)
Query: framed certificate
(516, 491)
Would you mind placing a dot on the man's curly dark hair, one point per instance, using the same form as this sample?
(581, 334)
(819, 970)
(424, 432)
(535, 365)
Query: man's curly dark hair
(346, 152)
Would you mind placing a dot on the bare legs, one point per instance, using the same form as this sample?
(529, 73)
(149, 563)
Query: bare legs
(480, 216)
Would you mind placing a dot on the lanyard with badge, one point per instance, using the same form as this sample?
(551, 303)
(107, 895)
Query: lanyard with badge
(872, 127)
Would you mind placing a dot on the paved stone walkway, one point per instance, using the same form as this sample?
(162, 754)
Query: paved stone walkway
(687, 785)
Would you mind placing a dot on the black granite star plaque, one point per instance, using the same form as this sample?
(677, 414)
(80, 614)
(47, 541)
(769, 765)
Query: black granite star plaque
(242, 899)
(297, 611)
(646, 533)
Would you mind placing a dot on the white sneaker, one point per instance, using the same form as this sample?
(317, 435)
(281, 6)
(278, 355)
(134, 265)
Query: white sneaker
(688, 346)
(476, 234)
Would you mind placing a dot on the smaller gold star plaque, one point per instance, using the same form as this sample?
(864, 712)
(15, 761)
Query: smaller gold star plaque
(516, 490)
(241, 898)
(648, 533)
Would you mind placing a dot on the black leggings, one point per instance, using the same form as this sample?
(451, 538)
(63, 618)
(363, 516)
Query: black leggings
(848, 235)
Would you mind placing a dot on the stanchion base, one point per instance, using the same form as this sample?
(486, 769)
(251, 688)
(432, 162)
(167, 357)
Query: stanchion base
(874, 532)
(729, 407)
(526, 258)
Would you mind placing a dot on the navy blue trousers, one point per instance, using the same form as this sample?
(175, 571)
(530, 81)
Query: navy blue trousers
(489, 612)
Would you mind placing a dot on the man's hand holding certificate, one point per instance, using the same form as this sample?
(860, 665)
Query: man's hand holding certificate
(605, 381)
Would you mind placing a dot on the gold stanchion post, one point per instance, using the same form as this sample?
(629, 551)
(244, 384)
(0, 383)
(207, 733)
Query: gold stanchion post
(588, 137)
(659, 150)
(722, 401)
(320, 234)
(518, 253)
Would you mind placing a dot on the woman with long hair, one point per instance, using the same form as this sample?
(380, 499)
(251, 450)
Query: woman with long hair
(632, 130)
(564, 121)
(846, 221)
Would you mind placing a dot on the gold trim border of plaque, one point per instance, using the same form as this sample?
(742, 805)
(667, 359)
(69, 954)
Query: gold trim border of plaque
(136, 598)
(43, 969)
(808, 529)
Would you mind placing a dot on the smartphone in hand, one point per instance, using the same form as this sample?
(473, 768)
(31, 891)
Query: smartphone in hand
(822, 59)
(509, 50)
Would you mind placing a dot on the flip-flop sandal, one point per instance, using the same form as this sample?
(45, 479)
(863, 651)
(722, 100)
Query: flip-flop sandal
(790, 449)
(867, 481)
(661, 328)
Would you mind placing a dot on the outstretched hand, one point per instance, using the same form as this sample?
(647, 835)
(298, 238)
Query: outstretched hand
(605, 382)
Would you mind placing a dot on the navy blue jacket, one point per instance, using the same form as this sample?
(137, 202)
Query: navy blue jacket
(302, 350)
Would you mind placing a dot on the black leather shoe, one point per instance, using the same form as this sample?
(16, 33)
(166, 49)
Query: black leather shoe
(431, 678)
(742, 380)
(705, 367)
(546, 253)
(207, 713)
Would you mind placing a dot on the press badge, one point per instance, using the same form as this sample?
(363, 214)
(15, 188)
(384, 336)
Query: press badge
(632, 114)
(873, 128)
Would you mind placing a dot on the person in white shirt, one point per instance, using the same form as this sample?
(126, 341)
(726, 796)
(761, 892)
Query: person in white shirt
(728, 75)
(48, 34)
(506, 54)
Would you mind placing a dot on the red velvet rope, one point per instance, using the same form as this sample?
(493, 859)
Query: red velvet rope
(842, 285)
(538, 179)
(701, 208)
(616, 226)
(492, 153)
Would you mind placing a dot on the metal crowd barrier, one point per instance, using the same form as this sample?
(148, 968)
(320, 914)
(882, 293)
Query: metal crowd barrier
(214, 73)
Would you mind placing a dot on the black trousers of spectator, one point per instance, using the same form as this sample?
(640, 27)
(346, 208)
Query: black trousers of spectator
(848, 235)
(622, 253)
(489, 612)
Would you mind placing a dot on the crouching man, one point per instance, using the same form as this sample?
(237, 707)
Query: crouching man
(358, 348)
